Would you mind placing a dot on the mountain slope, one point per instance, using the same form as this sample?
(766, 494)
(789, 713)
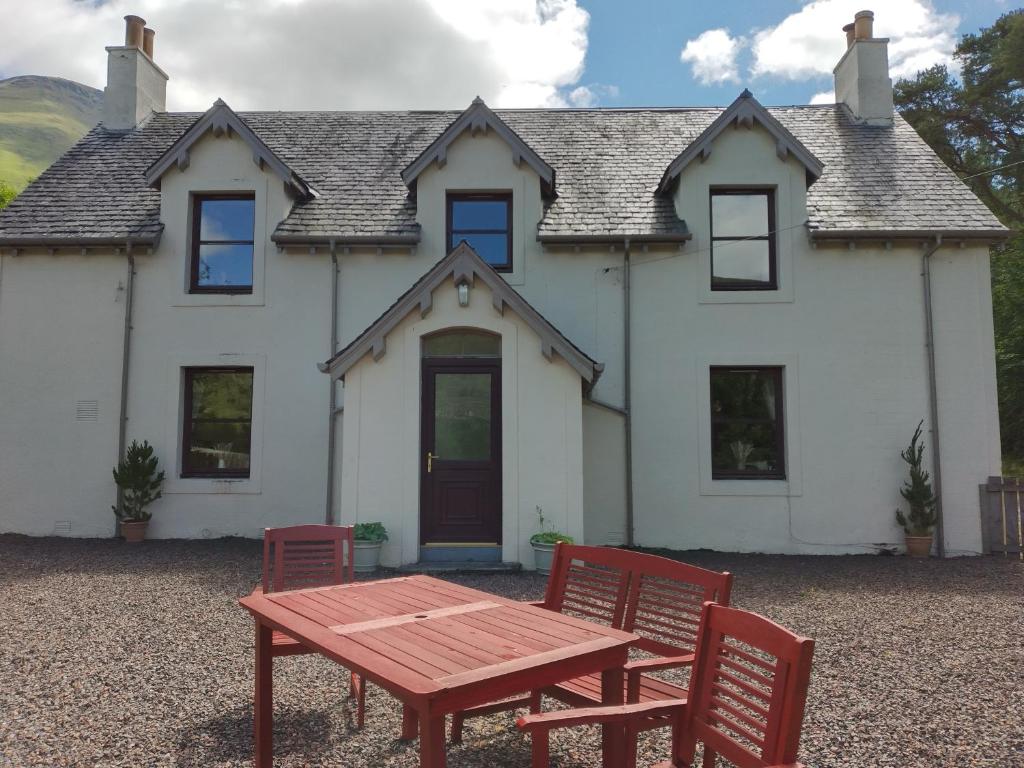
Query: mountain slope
(40, 118)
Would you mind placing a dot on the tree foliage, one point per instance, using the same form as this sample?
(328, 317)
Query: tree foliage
(7, 193)
(139, 482)
(917, 491)
(976, 125)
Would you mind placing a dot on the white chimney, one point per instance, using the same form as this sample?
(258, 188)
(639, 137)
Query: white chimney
(862, 75)
(136, 86)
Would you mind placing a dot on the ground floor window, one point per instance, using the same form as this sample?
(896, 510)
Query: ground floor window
(217, 428)
(747, 433)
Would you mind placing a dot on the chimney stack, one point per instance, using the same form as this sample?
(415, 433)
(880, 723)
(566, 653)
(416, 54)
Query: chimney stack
(136, 86)
(862, 74)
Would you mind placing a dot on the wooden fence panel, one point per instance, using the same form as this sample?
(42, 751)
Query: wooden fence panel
(1002, 515)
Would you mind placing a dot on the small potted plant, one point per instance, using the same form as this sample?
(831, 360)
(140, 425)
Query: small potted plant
(919, 524)
(543, 543)
(368, 540)
(139, 483)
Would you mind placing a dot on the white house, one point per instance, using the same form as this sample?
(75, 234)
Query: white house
(687, 328)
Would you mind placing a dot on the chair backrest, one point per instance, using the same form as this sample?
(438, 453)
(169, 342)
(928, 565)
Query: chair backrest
(590, 582)
(665, 601)
(747, 688)
(305, 556)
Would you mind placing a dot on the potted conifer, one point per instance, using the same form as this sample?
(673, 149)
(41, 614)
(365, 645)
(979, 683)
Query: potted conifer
(544, 542)
(369, 537)
(919, 524)
(139, 482)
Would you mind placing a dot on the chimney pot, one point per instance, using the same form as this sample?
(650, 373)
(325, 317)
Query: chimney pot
(133, 31)
(147, 41)
(848, 29)
(863, 23)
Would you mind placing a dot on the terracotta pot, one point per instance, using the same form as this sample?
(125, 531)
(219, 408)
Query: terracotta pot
(134, 532)
(919, 546)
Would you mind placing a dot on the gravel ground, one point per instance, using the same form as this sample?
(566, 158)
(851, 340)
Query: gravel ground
(113, 655)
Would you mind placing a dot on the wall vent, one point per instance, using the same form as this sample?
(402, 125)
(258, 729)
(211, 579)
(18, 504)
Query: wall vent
(62, 526)
(87, 410)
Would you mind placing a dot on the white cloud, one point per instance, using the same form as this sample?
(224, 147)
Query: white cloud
(712, 56)
(825, 97)
(808, 44)
(589, 95)
(317, 54)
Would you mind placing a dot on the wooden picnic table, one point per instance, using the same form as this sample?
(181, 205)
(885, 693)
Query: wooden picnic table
(438, 648)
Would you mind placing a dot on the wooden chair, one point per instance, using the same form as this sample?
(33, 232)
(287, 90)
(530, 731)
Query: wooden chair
(657, 598)
(745, 700)
(305, 556)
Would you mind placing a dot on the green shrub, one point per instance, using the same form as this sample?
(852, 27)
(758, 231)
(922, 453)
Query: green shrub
(549, 536)
(917, 491)
(375, 532)
(139, 482)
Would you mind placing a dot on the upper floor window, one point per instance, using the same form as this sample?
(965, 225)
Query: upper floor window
(484, 221)
(222, 243)
(743, 240)
(747, 439)
(217, 428)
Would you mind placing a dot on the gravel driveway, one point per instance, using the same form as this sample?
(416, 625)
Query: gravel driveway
(112, 655)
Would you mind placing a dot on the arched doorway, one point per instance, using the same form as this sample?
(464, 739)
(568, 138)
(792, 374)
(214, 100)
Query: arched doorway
(460, 477)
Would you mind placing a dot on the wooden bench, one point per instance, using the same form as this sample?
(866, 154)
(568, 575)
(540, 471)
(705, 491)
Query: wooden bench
(654, 597)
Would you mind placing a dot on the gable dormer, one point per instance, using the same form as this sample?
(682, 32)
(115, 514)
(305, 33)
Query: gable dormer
(742, 187)
(476, 119)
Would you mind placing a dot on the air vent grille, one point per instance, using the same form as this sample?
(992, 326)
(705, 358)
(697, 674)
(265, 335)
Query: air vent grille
(87, 410)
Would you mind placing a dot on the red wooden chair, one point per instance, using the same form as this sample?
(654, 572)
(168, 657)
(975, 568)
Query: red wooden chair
(305, 556)
(745, 700)
(657, 598)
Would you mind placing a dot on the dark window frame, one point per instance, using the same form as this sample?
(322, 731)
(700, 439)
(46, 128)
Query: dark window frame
(197, 221)
(505, 197)
(773, 276)
(188, 423)
(777, 373)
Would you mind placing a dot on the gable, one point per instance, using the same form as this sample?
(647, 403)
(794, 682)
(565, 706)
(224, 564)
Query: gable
(745, 111)
(464, 267)
(476, 118)
(219, 120)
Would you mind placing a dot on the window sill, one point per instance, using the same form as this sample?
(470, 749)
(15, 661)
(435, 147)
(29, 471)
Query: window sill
(749, 487)
(776, 296)
(220, 300)
(211, 485)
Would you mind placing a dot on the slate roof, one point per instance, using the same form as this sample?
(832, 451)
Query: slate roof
(608, 163)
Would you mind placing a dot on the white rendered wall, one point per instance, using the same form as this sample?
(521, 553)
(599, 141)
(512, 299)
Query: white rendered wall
(848, 326)
(61, 325)
(282, 330)
(542, 433)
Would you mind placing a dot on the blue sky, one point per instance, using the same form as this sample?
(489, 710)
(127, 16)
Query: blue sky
(431, 54)
(636, 46)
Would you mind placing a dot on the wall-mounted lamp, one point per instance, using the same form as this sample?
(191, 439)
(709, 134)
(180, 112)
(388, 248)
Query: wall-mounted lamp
(463, 294)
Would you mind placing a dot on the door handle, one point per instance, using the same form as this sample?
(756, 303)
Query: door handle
(430, 461)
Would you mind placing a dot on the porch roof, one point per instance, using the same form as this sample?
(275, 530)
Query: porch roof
(463, 265)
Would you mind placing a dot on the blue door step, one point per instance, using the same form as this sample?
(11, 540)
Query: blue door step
(460, 566)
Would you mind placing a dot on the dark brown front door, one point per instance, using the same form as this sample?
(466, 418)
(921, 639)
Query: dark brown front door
(460, 496)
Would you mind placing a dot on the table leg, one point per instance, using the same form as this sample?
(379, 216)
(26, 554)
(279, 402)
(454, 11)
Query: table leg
(432, 741)
(612, 746)
(410, 723)
(263, 714)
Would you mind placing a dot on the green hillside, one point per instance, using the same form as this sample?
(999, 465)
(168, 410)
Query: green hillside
(40, 118)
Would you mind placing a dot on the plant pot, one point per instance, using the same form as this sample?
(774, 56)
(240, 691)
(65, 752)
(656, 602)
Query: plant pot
(543, 554)
(366, 556)
(919, 546)
(134, 532)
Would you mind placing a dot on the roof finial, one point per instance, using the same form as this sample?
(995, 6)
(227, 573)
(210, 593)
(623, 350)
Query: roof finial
(746, 94)
(478, 100)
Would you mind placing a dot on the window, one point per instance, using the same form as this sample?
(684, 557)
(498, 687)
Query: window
(485, 222)
(743, 240)
(222, 243)
(216, 435)
(746, 423)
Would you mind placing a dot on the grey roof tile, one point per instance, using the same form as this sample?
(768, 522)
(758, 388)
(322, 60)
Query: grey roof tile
(607, 167)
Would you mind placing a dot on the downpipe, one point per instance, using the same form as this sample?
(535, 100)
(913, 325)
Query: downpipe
(933, 396)
(126, 348)
(627, 385)
(333, 400)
